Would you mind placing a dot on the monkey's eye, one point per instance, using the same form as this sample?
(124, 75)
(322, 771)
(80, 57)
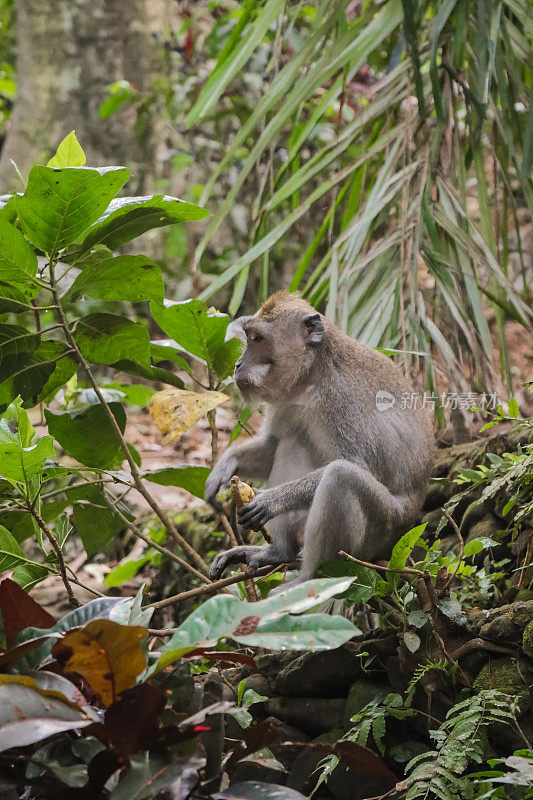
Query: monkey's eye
(256, 337)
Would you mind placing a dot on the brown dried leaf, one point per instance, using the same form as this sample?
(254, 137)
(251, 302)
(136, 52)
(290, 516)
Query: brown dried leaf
(106, 654)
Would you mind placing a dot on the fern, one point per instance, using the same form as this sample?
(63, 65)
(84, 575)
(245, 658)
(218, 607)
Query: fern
(461, 738)
(372, 719)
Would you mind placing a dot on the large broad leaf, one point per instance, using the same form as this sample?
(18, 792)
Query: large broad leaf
(96, 525)
(174, 411)
(109, 656)
(14, 297)
(185, 476)
(88, 436)
(15, 340)
(268, 623)
(60, 204)
(27, 715)
(99, 608)
(134, 278)
(258, 790)
(20, 457)
(132, 216)
(196, 328)
(151, 373)
(69, 153)
(37, 375)
(18, 262)
(151, 774)
(11, 555)
(107, 338)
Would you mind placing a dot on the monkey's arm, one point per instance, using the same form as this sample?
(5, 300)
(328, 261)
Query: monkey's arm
(298, 494)
(250, 459)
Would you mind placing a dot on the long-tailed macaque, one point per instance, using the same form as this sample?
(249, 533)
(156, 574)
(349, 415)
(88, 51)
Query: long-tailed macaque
(345, 458)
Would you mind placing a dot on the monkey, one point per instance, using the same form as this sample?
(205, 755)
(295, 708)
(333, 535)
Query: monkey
(345, 459)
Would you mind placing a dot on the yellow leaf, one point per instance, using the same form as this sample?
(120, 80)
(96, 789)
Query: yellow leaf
(174, 411)
(241, 492)
(108, 655)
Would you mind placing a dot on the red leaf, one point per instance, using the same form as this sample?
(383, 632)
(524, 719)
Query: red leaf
(20, 611)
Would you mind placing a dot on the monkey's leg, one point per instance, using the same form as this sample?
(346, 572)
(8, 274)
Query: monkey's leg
(284, 548)
(352, 511)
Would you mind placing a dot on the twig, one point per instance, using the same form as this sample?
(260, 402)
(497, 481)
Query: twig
(213, 587)
(236, 540)
(164, 550)
(461, 551)
(139, 485)
(59, 554)
(407, 570)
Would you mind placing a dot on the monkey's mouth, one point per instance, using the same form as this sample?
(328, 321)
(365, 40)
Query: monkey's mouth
(246, 387)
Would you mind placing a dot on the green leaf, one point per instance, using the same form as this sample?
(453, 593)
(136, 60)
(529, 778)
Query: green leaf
(225, 358)
(196, 328)
(20, 458)
(96, 525)
(107, 338)
(151, 774)
(69, 153)
(412, 641)
(132, 216)
(402, 548)
(187, 477)
(134, 394)
(27, 716)
(363, 585)
(11, 553)
(33, 375)
(134, 278)
(120, 92)
(18, 262)
(14, 297)
(150, 373)
(272, 624)
(88, 436)
(59, 205)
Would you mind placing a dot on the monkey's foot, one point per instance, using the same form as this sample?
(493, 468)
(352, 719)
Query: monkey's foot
(254, 556)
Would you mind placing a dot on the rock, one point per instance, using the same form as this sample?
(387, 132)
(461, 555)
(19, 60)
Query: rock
(527, 640)
(361, 693)
(258, 684)
(503, 674)
(287, 733)
(436, 496)
(320, 674)
(311, 714)
(508, 623)
(487, 527)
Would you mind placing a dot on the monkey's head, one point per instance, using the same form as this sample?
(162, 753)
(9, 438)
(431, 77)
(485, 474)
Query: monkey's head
(282, 341)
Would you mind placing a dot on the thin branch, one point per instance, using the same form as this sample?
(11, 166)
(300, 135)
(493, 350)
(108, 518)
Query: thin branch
(236, 540)
(213, 587)
(405, 570)
(461, 551)
(164, 550)
(480, 644)
(59, 554)
(137, 479)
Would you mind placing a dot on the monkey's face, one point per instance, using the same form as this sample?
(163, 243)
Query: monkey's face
(279, 354)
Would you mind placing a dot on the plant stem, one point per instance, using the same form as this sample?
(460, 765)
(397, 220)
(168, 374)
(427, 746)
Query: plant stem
(164, 550)
(213, 587)
(179, 539)
(55, 546)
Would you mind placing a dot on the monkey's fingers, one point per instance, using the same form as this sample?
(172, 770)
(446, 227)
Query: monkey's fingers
(254, 515)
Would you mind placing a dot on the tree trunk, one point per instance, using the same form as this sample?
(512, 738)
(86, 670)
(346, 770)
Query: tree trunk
(68, 52)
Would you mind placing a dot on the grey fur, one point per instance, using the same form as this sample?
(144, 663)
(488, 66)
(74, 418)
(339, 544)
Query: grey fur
(341, 474)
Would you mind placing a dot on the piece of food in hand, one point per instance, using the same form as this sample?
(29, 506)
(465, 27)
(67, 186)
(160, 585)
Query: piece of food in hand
(242, 494)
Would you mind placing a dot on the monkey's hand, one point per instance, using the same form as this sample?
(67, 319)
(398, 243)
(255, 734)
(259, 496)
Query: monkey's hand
(254, 556)
(219, 478)
(255, 514)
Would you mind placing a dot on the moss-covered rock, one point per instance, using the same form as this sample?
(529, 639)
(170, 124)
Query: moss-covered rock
(527, 640)
(503, 675)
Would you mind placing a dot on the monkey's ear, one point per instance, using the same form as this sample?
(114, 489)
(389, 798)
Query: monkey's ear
(235, 329)
(315, 328)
